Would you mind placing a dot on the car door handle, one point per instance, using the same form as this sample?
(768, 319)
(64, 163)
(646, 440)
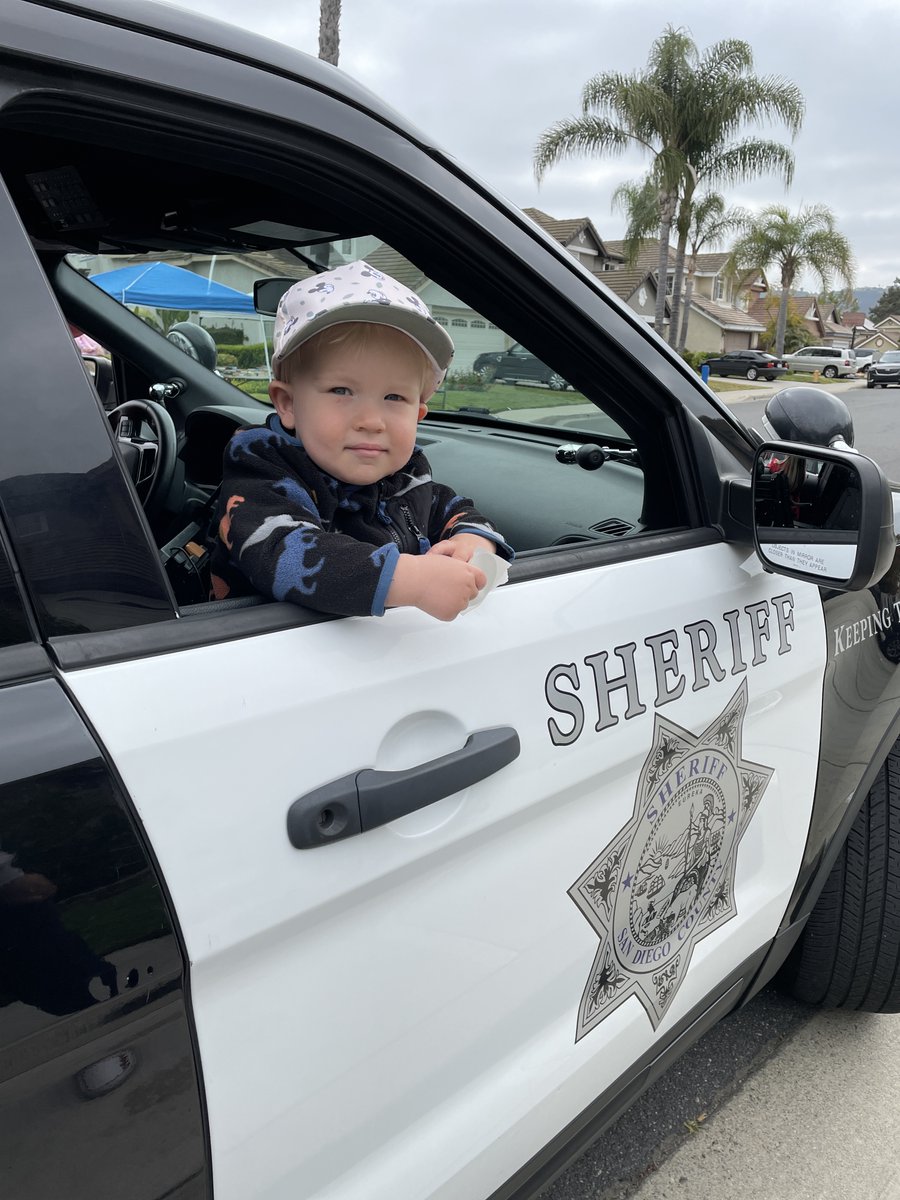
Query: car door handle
(365, 799)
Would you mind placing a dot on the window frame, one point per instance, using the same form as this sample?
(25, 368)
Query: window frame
(484, 246)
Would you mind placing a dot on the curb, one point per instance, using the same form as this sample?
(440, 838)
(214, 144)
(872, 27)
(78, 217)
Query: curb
(763, 393)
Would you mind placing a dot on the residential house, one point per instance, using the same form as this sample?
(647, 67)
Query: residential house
(636, 286)
(885, 335)
(819, 318)
(471, 332)
(581, 239)
(718, 320)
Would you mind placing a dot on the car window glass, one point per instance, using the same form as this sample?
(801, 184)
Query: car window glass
(14, 627)
(490, 371)
(506, 424)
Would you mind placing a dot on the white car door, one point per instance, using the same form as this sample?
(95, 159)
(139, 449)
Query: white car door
(467, 978)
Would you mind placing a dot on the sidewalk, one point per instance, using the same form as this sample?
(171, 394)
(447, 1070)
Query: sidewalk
(820, 1120)
(763, 390)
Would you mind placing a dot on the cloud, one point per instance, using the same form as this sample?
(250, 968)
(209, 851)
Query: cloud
(484, 78)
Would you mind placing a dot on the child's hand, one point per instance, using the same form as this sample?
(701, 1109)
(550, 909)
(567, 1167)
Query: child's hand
(439, 584)
(463, 546)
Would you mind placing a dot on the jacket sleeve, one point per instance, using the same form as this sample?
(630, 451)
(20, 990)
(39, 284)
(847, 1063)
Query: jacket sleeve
(273, 534)
(452, 514)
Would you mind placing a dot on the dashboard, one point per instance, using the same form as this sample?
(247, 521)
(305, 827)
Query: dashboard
(513, 473)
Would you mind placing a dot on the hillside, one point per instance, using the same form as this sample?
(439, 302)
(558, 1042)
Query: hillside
(867, 296)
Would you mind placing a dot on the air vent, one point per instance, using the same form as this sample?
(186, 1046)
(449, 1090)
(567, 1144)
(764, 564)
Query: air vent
(614, 526)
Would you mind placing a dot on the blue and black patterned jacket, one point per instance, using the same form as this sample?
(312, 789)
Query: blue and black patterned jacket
(288, 530)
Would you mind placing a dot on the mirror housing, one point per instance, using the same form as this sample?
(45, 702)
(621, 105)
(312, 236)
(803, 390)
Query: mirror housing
(832, 525)
(267, 293)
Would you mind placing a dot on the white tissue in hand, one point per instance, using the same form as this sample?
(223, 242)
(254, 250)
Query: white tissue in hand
(496, 572)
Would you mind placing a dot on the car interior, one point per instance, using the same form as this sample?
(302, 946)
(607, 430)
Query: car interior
(556, 469)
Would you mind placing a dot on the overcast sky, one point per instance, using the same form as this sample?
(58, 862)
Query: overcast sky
(484, 78)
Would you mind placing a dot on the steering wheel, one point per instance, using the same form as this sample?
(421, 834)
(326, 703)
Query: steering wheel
(150, 461)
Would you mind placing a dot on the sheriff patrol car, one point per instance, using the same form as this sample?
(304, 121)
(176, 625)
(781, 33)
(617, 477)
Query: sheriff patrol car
(305, 907)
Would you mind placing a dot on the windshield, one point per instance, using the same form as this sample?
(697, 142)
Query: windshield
(891, 356)
(204, 304)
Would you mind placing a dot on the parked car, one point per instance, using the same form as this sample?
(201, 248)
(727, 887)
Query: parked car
(751, 364)
(885, 371)
(864, 359)
(381, 907)
(517, 365)
(829, 361)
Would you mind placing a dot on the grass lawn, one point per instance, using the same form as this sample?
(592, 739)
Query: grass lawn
(495, 397)
(502, 397)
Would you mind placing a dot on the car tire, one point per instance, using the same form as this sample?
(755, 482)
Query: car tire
(556, 383)
(752, 373)
(848, 956)
(882, 385)
(830, 372)
(487, 374)
(870, 383)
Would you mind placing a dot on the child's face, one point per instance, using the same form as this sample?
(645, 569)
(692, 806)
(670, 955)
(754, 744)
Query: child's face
(355, 409)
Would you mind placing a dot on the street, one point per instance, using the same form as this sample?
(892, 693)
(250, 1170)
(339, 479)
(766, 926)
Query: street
(874, 413)
(778, 1100)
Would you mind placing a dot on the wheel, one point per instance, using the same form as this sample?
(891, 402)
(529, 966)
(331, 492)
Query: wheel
(830, 372)
(870, 383)
(770, 378)
(149, 461)
(848, 955)
(882, 385)
(487, 374)
(557, 383)
(752, 373)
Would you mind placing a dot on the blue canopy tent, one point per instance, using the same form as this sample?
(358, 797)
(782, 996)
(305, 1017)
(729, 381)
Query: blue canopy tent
(162, 285)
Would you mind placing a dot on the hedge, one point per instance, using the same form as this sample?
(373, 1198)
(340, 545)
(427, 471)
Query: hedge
(252, 355)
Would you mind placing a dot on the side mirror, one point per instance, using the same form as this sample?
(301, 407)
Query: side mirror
(823, 515)
(267, 293)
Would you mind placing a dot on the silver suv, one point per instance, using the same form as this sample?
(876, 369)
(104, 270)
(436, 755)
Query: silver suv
(830, 361)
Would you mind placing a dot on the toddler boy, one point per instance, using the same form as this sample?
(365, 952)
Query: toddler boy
(331, 505)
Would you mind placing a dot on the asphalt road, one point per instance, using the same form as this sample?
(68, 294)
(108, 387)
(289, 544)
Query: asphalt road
(876, 421)
(778, 1100)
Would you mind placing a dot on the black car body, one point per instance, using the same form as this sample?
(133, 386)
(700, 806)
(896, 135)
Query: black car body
(885, 371)
(517, 365)
(292, 905)
(750, 364)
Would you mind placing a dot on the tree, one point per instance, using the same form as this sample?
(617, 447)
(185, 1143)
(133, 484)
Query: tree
(796, 335)
(887, 304)
(840, 299)
(711, 223)
(683, 110)
(329, 30)
(807, 241)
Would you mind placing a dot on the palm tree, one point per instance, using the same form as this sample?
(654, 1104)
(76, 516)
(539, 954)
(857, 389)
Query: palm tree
(795, 243)
(711, 223)
(683, 110)
(329, 30)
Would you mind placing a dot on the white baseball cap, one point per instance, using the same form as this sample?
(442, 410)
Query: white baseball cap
(357, 293)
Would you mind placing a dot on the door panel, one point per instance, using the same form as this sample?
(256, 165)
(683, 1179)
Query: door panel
(397, 987)
(97, 1069)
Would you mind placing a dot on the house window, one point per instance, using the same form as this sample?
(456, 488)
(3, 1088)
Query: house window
(347, 246)
(719, 290)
